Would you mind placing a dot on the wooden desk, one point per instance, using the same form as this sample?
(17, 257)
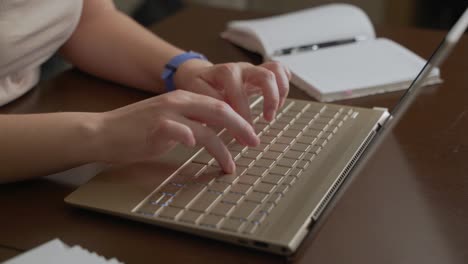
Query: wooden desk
(410, 204)
(7, 253)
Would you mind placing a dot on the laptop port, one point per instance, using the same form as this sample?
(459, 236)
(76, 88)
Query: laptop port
(260, 244)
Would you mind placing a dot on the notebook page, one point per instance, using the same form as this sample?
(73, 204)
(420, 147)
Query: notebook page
(313, 25)
(56, 252)
(364, 65)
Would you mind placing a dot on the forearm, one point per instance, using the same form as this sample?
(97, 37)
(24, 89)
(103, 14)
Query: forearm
(112, 46)
(41, 144)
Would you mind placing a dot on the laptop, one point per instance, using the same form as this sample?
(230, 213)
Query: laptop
(280, 187)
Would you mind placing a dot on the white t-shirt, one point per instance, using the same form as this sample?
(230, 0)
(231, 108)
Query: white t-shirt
(31, 31)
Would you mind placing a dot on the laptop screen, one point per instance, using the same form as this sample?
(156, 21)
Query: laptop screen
(436, 59)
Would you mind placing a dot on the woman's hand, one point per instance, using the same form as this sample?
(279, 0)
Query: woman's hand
(235, 82)
(151, 127)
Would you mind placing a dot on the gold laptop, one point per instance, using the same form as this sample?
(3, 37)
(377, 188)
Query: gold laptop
(280, 187)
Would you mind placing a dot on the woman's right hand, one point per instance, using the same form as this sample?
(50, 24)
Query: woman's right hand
(152, 127)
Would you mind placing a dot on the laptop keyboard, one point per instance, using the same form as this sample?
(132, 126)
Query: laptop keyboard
(199, 193)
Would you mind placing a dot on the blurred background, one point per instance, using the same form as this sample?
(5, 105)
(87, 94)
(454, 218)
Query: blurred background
(436, 14)
(439, 14)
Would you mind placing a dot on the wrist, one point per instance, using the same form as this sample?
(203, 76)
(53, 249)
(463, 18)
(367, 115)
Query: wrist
(173, 66)
(91, 130)
(188, 70)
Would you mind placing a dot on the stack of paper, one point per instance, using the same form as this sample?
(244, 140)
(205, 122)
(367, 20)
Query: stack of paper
(56, 252)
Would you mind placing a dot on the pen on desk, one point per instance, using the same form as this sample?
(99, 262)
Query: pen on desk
(316, 46)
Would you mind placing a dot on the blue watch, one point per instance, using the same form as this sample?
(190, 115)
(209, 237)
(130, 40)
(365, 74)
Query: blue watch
(171, 67)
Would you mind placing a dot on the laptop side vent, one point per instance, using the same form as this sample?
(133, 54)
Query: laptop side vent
(342, 176)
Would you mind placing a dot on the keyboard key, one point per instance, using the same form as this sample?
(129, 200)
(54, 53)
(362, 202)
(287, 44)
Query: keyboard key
(259, 127)
(318, 126)
(256, 171)
(240, 188)
(228, 178)
(190, 216)
(232, 224)
(325, 136)
(235, 154)
(203, 158)
(272, 132)
(272, 178)
(330, 113)
(286, 140)
(187, 195)
(240, 170)
(272, 155)
(244, 210)
(208, 176)
(148, 209)
(296, 172)
(169, 189)
(170, 212)
(222, 208)
(287, 162)
(293, 154)
(315, 149)
(303, 122)
(283, 188)
(219, 187)
(245, 162)
(313, 133)
(280, 126)
(290, 180)
(310, 114)
(260, 147)
(306, 140)
(275, 198)
(232, 198)
(280, 170)
(266, 208)
(309, 156)
(236, 146)
(249, 180)
(256, 197)
(267, 139)
(226, 138)
(192, 169)
(300, 147)
(279, 147)
(303, 164)
(211, 220)
(155, 198)
(205, 201)
(292, 133)
(252, 154)
(322, 120)
(264, 163)
(163, 201)
(264, 187)
(299, 106)
(258, 218)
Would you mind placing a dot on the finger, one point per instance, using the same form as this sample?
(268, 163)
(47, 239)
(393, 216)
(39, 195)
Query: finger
(216, 113)
(200, 86)
(266, 81)
(282, 75)
(207, 138)
(229, 77)
(179, 132)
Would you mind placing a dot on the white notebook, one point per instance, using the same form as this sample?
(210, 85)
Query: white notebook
(56, 252)
(331, 50)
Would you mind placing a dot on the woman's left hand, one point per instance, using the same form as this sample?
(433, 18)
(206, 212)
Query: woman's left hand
(234, 83)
